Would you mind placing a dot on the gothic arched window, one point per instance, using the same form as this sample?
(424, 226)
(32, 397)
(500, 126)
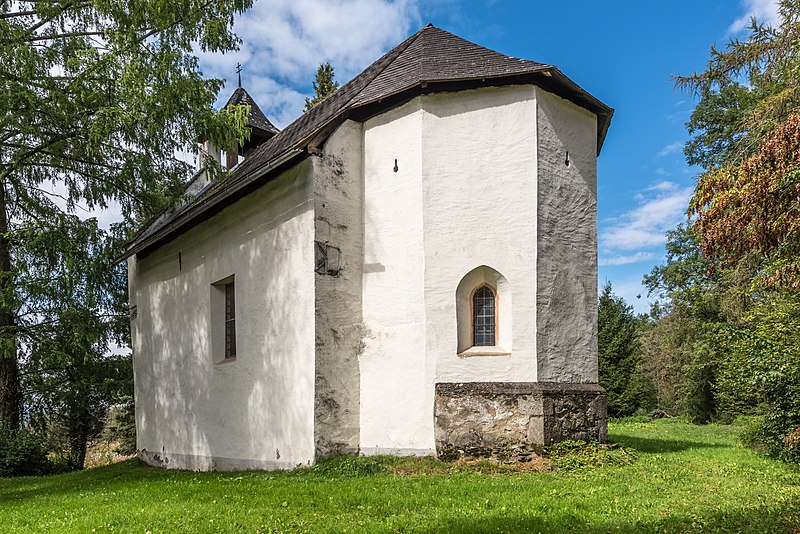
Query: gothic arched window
(484, 317)
(483, 297)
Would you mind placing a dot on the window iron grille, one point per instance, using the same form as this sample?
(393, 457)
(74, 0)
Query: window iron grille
(483, 317)
(230, 321)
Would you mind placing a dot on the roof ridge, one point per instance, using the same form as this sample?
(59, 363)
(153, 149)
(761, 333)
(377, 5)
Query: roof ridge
(408, 42)
(319, 108)
(487, 49)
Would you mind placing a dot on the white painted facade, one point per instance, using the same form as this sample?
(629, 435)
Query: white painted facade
(193, 409)
(424, 201)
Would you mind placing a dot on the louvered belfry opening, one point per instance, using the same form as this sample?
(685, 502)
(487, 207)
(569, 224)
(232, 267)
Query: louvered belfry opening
(483, 317)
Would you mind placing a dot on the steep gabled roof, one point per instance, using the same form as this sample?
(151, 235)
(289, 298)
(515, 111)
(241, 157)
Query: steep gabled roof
(435, 56)
(256, 118)
(431, 60)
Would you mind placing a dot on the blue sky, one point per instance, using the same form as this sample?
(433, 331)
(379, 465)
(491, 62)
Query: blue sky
(623, 52)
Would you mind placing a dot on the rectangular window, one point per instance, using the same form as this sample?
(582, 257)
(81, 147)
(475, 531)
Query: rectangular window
(222, 320)
(230, 321)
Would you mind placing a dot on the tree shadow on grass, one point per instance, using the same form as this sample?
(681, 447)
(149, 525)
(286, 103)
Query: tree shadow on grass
(109, 477)
(129, 475)
(775, 518)
(663, 445)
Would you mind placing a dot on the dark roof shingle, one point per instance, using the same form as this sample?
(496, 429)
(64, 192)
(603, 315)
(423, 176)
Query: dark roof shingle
(435, 56)
(256, 118)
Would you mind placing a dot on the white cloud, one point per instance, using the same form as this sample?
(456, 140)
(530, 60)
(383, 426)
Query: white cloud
(679, 116)
(646, 225)
(285, 103)
(666, 185)
(765, 11)
(284, 41)
(627, 259)
(57, 192)
(670, 149)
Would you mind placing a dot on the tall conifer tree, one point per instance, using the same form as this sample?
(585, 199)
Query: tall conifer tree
(324, 86)
(96, 98)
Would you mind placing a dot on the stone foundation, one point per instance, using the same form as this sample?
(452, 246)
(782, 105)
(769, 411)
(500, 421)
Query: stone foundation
(492, 417)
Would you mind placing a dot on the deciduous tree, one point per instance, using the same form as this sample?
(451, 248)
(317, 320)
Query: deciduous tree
(747, 137)
(681, 347)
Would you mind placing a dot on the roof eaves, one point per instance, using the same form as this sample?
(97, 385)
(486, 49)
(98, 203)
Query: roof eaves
(568, 89)
(604, 113)
(196, 209)
(149, 223)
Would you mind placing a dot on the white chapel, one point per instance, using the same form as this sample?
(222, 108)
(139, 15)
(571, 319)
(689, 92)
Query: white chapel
(408, 268)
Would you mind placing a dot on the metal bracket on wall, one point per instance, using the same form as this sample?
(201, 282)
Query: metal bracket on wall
(327, 259)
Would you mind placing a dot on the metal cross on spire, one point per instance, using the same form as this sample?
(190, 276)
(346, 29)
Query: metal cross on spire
(239, 73)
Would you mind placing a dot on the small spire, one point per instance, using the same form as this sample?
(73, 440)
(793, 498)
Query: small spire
(239, 73)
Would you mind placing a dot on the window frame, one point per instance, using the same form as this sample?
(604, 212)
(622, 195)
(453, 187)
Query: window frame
(496, 294)
(218, 320)
(229, 344)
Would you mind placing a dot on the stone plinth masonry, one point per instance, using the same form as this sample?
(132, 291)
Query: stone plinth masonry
(492, 417)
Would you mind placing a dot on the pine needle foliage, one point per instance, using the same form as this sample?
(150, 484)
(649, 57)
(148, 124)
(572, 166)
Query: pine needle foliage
(324, 85)
(96, 100)
(746, 135)
(619, 356)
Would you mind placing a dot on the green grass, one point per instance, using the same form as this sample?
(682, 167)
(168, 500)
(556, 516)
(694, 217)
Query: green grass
(667, 476)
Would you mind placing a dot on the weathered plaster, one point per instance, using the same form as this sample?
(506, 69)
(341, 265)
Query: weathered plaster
(258, 409)
(566, 266)
(197, 462)
(338, 221)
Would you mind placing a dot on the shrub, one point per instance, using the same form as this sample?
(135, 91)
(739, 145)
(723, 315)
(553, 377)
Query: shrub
(21, 453)
(763, 371)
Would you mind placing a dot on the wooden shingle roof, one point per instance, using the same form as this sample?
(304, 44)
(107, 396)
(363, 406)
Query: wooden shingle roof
(431, 60)
(256, 117)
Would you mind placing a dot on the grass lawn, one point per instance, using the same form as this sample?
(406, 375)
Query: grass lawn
(673, 477)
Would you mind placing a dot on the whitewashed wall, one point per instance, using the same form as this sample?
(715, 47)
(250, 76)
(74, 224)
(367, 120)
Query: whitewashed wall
(339, 222)
(396, 412)
(480, 209)
(464, 195)
(567, 242)
(256, 411)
